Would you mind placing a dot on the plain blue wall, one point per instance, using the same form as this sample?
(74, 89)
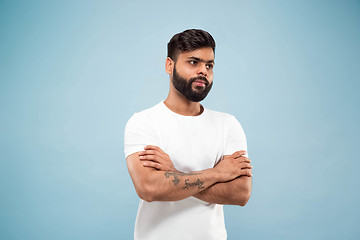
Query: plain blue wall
(73, 72)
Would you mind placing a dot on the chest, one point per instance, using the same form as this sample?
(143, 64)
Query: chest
(192, 145)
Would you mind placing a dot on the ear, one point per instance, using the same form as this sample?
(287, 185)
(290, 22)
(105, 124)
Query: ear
(169, 65)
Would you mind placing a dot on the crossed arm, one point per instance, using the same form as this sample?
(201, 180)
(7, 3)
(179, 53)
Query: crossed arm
(156, 179)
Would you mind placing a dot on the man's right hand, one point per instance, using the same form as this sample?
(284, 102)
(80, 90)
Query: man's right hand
(233, 166)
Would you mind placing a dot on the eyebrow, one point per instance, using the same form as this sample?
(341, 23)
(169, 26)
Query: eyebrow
(201, 60)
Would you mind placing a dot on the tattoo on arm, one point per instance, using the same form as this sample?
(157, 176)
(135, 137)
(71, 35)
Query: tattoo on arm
(197, 183)
(176, 179)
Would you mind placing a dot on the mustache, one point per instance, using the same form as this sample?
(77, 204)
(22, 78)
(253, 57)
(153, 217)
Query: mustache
(199, 78)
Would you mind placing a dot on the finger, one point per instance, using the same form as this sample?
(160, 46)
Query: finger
(154, 158)
(152, 152)
(243, 159)
(245, 172)
(152, 164)
(148, 152)
(153, 147)
(163, 156)
(158, 151)
(239, 153)
(148, 147)
(245, 165)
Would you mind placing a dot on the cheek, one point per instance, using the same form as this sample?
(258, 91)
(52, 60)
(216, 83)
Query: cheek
(189, 73)
(210, 77)
(185, 71)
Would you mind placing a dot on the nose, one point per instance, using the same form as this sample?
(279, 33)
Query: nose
(202, 70)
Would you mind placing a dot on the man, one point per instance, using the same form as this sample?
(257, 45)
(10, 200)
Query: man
(186, 161)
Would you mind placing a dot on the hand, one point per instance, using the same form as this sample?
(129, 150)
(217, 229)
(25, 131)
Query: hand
(233, 166)
(155, 157)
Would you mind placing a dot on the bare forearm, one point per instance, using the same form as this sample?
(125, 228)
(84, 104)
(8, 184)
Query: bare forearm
(153, 181)
(235, 192)
(174, 186)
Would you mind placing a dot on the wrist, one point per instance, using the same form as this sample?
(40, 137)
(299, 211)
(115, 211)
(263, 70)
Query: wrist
(216, 174)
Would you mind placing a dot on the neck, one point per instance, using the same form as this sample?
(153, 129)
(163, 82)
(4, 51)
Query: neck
(177, 103)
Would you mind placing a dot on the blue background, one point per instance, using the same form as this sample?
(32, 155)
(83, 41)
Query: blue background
(73, 72)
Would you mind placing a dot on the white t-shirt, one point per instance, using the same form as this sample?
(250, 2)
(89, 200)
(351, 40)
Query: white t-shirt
(194, 143)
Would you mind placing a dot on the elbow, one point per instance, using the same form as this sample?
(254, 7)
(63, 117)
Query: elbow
(244, 201)
(146, 193)
(146, 197)
(242, 198)
(149, 192)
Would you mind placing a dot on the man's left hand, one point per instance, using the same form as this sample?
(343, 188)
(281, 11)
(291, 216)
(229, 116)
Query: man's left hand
(155, 157)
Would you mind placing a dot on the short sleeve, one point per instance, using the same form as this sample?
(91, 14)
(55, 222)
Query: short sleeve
(236, 139)
(139, 132)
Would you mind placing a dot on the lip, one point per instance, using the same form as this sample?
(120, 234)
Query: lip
(199, 82)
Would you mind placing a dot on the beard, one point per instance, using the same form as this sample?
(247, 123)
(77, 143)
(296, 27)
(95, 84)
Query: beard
(185, 87)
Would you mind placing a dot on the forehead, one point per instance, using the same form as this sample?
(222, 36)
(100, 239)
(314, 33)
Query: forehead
(207, 54)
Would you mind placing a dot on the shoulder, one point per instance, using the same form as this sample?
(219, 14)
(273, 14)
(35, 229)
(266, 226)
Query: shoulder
(144, 115)
(140, 131)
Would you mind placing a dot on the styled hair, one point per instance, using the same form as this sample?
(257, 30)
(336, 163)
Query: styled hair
(189, 40)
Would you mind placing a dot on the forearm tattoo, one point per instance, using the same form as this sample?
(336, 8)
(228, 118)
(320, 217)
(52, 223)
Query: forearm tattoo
(176, 179)
(197, 183)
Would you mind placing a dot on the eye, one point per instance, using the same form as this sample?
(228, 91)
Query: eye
(209, 66)
(193, 62)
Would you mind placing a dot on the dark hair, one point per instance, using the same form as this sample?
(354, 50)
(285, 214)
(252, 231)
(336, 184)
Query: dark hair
(189, 40)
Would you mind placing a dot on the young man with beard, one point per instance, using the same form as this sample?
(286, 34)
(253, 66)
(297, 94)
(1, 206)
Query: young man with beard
(186, 161)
